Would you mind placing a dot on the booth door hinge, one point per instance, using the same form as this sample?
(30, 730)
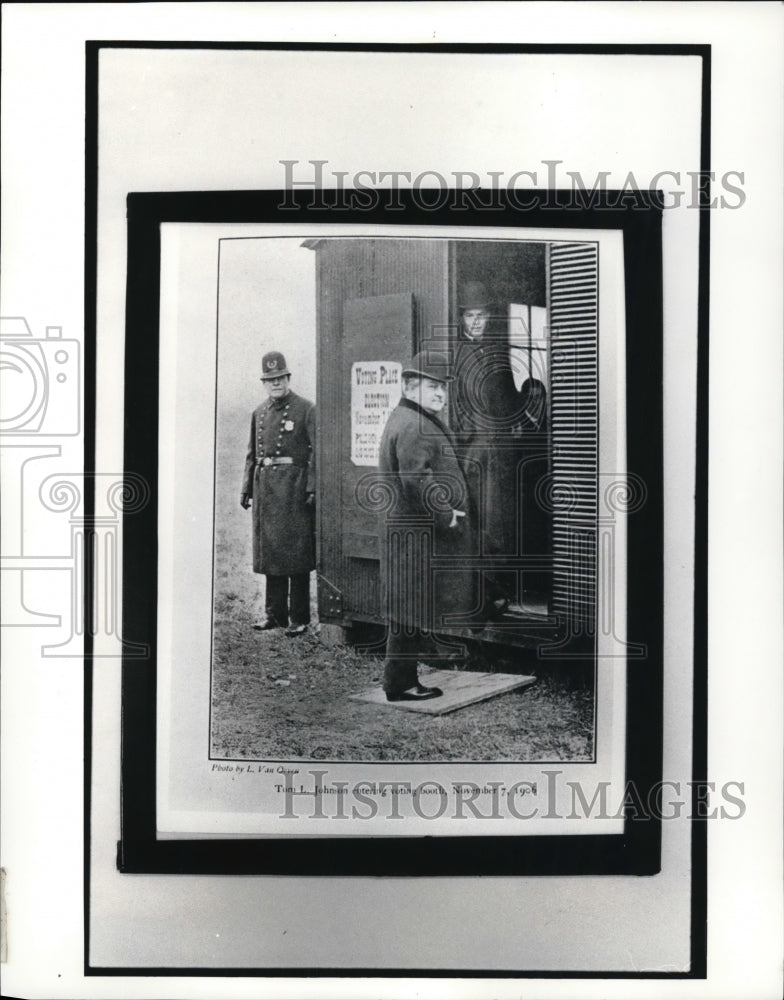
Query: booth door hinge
(330, 598)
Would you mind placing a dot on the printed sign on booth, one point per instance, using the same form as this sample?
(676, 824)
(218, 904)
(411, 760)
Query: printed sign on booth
(375, 392)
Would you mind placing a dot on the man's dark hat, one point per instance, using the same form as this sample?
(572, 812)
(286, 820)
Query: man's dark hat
(273, 365)
(473, 295)
(430, 364)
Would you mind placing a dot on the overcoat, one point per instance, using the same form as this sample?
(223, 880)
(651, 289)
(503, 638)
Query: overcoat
(283, 524)
(485, 414)
(425, 582)
(536, 535)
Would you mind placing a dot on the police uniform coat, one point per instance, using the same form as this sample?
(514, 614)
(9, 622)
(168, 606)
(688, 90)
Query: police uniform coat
(283, 524)
(424, 580)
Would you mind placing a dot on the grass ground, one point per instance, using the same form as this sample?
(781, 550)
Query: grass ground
(279, 698)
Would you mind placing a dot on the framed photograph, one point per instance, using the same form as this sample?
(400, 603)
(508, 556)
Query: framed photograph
(522, 585)
(381, 600)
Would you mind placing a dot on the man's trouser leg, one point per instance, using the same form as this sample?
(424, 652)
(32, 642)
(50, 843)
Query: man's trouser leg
(403, 650)
(276, 599)
(299, 599)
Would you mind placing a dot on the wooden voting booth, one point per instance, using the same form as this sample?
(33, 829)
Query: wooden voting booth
(379, 300)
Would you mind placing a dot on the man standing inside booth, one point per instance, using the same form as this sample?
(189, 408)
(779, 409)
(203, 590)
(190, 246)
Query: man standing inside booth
(485, 415)
(426, 532)
(280, 482)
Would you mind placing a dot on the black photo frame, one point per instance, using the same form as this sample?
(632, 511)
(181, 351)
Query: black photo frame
(638, 215)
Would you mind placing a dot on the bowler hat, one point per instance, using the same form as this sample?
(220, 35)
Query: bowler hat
(273, 365)
(430, 364)
(473, 295)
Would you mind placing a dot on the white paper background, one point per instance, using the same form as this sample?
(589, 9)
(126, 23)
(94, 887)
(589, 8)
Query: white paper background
(591, 124)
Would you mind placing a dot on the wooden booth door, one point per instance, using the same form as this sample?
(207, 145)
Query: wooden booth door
(378, 340)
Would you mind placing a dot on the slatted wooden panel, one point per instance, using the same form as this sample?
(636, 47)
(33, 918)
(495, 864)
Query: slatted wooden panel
(573, 303)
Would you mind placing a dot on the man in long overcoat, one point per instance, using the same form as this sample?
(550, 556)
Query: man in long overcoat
(536, 534)
(280, 481)
(485, 414)
(426, 531)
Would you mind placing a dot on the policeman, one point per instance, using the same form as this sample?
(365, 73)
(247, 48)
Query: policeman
(279, 481)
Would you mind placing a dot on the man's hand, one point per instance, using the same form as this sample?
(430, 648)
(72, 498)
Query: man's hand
(310, 500)
(244, 501)
(456, 515)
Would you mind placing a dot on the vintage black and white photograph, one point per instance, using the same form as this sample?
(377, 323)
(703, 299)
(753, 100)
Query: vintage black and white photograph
(412, 547)
(395, 568)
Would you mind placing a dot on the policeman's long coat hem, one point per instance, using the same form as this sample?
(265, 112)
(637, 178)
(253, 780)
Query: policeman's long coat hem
(425, 582)
(283, 523)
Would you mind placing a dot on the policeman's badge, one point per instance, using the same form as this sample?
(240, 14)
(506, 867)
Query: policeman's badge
(288, 425)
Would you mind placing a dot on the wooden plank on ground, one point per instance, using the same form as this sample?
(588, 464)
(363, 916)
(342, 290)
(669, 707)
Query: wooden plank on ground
(460, 687)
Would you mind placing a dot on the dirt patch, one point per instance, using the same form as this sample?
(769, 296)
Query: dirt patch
(279, 698)
(275, 697)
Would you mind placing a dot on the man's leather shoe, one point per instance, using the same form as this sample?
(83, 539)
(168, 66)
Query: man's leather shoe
(294, 630)
(419, 693)
(265, 625)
